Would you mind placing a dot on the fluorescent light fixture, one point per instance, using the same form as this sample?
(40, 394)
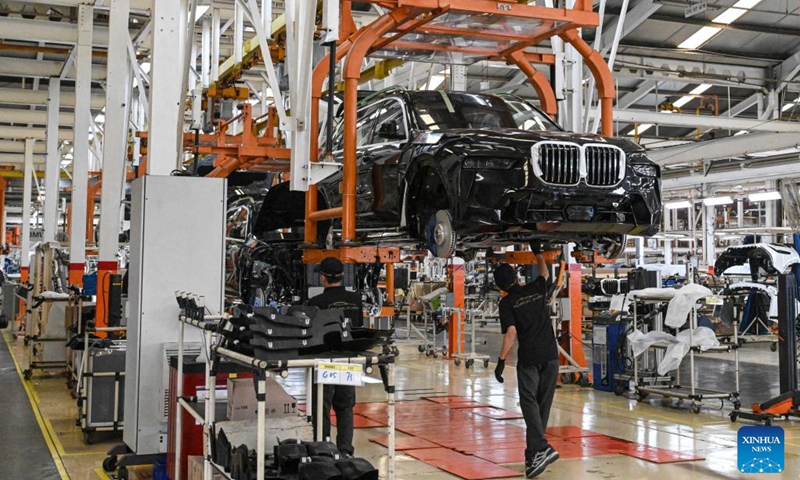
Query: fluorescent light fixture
(435, 81)
(714, 201)
(200, 10)
(729, 16)
(746, 4)
(146, 67)
(100, 118)
(764, 196)
(642, 128)
(789, 106)
(678, 204)
(700, 37)
(688, 98)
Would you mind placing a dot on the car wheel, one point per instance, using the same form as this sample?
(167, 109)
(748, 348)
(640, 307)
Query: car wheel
(440, 238)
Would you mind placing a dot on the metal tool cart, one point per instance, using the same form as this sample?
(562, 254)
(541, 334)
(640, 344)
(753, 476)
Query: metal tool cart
(101, 384)
(464, 316)
(431, 303)
(675, 388)
(45, 333)
(213, 354)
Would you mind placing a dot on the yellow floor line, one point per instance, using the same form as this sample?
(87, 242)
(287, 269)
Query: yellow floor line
(101, 474)
(48, 440)
(52, 431)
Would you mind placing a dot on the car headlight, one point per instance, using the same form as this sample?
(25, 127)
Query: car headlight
(489, 163)
(645, 169)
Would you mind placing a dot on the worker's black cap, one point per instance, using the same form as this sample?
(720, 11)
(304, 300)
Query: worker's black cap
(504, 276)
(330, 267)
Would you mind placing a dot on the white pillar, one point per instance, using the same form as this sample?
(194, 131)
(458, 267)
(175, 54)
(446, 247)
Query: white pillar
(26, 204)
(205, 52)
(709, 247)
(52, 171)
(640, 245)
(667, 240)
(458, 78)
(238, 32)
(118, 94)
(166, 95)
(80, 153)
(215, 20)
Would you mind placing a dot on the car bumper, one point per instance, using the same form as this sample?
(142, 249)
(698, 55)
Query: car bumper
(503, 202)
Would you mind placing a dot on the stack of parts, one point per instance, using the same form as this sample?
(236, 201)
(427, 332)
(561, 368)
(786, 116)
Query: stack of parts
(293, 460)
(300, 332)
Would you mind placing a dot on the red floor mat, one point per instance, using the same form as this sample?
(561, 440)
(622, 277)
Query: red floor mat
(571, 432)
(495, 413)
(468, 467)
(658, 455)
(405, 443)
(360, 422)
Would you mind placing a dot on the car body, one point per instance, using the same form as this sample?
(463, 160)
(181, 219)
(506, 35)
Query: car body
(756, 260)
(461, 171)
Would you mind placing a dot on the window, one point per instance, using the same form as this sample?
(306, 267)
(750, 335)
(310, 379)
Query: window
(391, 125)
(366, 120)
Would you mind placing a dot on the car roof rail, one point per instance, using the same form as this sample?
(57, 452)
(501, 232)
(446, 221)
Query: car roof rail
(393, 88)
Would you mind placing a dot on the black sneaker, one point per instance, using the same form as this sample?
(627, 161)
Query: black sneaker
(540, 461)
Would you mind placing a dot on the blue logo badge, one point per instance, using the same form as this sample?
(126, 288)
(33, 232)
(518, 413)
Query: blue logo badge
(761, 450)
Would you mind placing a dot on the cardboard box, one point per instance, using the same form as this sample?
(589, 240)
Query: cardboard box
(195, 469)
(242, 404)
(276, 428)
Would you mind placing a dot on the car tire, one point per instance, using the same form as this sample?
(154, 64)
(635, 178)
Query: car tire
(440, 237)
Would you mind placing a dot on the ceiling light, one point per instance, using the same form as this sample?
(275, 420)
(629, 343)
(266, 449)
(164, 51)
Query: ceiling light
(746, 4)
(789, 106)
(700, 37)
(714, 201)
(678, 204)
(642, 128)
(200, 10)
(764, 196)
(729, 16)
(145, 67)
(435, 81)
(688, 98)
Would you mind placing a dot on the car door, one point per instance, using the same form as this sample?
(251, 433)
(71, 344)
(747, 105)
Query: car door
(332, 186)
(378, 180)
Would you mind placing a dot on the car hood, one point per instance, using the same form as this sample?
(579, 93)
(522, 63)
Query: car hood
(521, 139)
(771, 258)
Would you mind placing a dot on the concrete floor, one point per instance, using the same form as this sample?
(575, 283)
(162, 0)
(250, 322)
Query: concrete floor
(655, 422)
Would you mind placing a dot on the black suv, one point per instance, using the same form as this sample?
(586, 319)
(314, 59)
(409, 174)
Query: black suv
(463, 171)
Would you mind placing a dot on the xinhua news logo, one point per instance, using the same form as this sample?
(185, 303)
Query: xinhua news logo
(761, 450)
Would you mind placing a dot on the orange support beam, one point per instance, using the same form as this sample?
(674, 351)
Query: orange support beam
(602, 76)
(544, 90)
(573, 344)
(91, 197)
(455, 334)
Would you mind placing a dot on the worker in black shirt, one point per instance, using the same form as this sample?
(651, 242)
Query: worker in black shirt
(341, 397)
(525, 316)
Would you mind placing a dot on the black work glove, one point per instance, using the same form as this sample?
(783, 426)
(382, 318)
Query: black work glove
(498, 370)
(536, 248)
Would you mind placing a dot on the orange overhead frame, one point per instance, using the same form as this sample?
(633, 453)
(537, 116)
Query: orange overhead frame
(544, 90)
(235, 152)
(3, 186)
(602, 76)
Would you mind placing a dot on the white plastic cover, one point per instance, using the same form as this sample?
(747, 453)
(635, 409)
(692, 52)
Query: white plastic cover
(682, 303)
(677, 346)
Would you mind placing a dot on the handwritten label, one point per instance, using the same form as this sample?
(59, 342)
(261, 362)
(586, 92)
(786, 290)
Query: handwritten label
(330, 373)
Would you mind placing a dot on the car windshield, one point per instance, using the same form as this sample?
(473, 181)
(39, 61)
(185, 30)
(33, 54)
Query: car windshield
(439, 110)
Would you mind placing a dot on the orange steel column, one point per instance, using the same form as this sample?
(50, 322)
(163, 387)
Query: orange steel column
(455, 334)
(317, 81)
(91, 197)
(3, 186)
(352, 73)
(602, 76)
(544, 90)
(576, 315)
(390, 283)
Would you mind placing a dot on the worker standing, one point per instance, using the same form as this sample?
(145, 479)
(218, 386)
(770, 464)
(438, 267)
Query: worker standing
(341, 397)
(525, 316)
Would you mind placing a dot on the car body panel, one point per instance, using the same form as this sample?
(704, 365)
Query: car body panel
(768, 258)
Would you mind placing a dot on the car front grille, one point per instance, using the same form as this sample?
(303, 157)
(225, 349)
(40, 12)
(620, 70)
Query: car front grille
(560, 163)
(565, 164)
(603, 165)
